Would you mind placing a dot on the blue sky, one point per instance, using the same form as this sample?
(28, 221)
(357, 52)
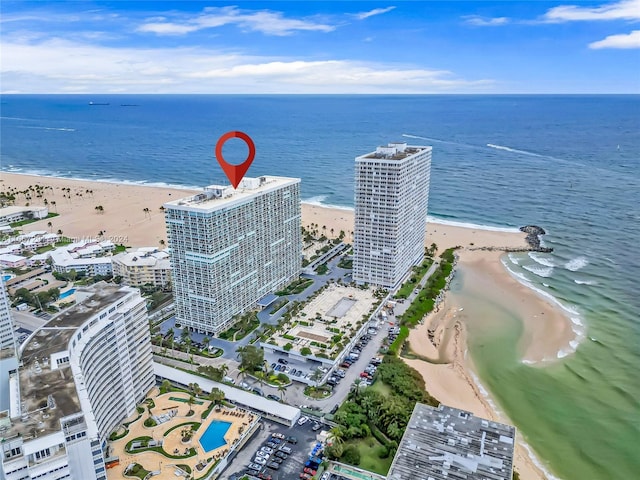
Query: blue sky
(320, 47)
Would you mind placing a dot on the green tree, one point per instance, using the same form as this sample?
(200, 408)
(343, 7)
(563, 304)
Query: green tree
(281, 390)
(351, 455)
(251, 357)
(216, 396)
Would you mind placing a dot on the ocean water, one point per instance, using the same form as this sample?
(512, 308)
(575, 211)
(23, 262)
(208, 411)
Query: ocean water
(568, 163)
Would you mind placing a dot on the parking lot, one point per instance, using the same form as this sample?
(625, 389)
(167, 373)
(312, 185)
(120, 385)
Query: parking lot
(291, 466)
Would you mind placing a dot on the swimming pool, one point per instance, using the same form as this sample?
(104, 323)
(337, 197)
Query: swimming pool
(7, 277)
(67, 293)
(214, 435)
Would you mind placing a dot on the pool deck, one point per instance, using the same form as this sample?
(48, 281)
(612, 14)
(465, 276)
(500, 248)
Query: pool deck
(172, 442)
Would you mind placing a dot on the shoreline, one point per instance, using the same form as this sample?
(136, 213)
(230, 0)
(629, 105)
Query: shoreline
(453, 382)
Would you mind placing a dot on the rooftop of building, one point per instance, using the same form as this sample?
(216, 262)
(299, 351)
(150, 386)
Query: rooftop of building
(145, 256)
(47, 394)
(445, 442)
(11, 209)
(215, 197)
(394, 151)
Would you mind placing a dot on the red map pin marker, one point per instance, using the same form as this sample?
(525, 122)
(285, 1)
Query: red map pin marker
(235, 173)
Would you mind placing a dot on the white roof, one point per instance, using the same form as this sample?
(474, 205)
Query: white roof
(10, 210)
(8, 257)
(218, 197)
(255, 402)
(148, 256)
(63, 258)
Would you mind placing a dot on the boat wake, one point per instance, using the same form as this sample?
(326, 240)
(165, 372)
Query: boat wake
(513, 150)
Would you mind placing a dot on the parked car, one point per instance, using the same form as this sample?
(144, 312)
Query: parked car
(273, 366)
(305, 476)
(264, 476)
(303, 420)
(271, 396)
(277, 459)
(299, 373)
(260, 460)
(286, 450)
(245, 385)
(293, 440)
(266, 449)
(271, 445)
(257, 391)
(334, 409)
(325, 476)
(281, 455)
(278, 435)
(293, 371)
(255, 466)
(273, 465)
(310, 471)
(283, 361)
(316, 427)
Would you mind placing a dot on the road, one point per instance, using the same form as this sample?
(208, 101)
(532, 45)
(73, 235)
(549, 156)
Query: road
(294, 394)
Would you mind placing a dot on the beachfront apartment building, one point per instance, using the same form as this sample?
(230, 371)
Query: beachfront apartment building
(231, 247)
(143, 266)
(80, 375)
(391, 200)
(442, 443)
(14, 213)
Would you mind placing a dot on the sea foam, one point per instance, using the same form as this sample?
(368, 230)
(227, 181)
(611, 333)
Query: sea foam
(541, 258)
(538, 270)
(576, 264)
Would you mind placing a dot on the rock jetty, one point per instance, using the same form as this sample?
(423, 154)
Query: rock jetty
(533, 238)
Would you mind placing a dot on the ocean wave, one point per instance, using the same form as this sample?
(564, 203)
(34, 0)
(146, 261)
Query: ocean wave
(70, 176)
(538, 270)
(453, 223)
(576, 264)
(574, 315)
(541, 258)
(514, 259)
(318, 201)
(51, 128)
(585, 282)
(513, 150)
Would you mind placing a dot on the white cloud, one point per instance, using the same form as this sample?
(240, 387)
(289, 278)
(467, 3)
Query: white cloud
(479, 21)
(61, 65)
(371, 13)
(264, 21)
(621, 10)
(630, 40)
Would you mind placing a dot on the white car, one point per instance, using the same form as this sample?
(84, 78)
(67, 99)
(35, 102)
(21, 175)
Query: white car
(303, 420)
(262, 453)
(260, 461)
(325, 476)
(267, 450)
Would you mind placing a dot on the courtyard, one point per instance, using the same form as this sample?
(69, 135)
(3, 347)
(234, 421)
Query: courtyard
(326, 323)
(177, 434)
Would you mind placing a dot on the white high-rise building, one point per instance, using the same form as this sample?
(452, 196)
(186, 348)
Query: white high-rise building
(80, 376)
(7, 340)
(229, 248)
(391, 199)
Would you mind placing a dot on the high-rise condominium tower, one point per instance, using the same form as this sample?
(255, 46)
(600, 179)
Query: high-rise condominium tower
(229, 248)
(7, 341)
(391, 198)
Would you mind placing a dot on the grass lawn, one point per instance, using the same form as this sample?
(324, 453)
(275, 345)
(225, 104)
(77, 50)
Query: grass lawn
(369, 448)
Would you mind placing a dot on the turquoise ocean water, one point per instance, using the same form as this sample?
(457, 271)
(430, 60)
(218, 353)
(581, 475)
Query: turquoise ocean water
(568, 163)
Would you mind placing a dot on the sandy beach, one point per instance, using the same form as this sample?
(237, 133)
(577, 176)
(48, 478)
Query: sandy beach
(449, 375)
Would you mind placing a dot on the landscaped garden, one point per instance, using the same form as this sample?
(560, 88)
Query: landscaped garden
(243, 327)
(173, 425)
(295, 287)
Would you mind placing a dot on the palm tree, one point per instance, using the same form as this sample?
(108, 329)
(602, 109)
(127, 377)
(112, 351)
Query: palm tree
(53, 203)
(190, 402)
(224, 368)
(337, 434)
(99, 209)
(282, 389)
(162, 243)
(171, 334)
(206, 341)
(216, 396)
(59, 232)
(147, 212)
(49, 224)
(166, 386)
(197, 390)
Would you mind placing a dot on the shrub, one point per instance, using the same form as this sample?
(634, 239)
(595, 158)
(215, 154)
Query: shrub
(150, 422)
(287, 347)
(351, 455)
(305, 351)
